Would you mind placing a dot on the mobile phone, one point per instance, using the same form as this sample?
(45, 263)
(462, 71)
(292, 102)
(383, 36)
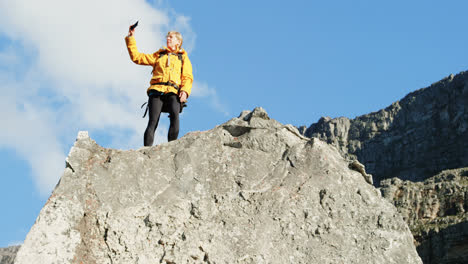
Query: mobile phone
(132, 27)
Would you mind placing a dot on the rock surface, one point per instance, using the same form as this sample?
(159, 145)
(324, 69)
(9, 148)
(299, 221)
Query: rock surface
(413, 139)
(248, 191)
(7, 255)
(437, 213)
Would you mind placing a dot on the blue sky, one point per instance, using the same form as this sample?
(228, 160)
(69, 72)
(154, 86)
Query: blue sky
(64, 68)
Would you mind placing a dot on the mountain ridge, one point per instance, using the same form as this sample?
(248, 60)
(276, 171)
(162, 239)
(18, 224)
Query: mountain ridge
(406, 147)
(401, 139)
(419, 123)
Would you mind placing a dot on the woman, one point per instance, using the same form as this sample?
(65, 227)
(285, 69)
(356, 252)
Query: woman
(170, 85)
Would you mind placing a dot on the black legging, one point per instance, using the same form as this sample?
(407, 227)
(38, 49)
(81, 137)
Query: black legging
(155, 105)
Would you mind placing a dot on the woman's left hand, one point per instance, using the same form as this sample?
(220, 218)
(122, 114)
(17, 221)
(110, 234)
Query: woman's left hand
(183, 96)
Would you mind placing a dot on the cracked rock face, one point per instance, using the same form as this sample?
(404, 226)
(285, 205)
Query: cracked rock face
(7, 255)
(412, 139)
(436, 211)
(248, 191)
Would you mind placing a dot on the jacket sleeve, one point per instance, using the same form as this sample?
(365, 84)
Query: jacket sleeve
(187, 76)
(137, 57)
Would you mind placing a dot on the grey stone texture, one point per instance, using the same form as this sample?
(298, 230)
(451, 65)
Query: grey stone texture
(437, 213)
(403, 146)
(248, 191)
(412, 139)
(8, 254)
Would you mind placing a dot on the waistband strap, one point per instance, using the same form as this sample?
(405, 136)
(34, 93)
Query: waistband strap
(167, 84)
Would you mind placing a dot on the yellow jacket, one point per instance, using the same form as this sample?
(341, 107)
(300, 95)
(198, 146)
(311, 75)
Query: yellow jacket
(177, 71)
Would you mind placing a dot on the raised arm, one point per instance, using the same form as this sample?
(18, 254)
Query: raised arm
(135, 56)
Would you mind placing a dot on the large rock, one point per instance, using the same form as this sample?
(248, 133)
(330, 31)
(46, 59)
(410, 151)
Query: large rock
(413, 139)
(249, 191)
(437, 213)
(7, 255)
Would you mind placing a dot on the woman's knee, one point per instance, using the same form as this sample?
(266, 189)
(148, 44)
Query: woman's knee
(152, 124)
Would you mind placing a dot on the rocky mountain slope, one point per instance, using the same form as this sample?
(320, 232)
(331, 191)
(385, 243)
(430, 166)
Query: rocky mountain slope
(248, 191)
(413, 139)
(7, 255)
(403, 146)
(436, 211)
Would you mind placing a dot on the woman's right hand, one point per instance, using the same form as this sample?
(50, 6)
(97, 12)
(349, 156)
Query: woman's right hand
(131, 31)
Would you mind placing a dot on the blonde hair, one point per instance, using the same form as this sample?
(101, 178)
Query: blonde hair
(178, 36)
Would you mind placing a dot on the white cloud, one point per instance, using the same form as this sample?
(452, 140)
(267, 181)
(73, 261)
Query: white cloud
(68, 70)
(15, 243)
(9, 57)
(201, 89)
(30, 132)
(182, 24)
